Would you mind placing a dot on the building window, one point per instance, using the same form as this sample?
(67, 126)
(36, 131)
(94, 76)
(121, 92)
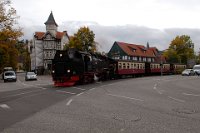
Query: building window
(140, 58)
(125, 57)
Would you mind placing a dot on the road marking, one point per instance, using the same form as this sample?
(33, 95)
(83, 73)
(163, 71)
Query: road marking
(179, 100)
(125, 97)
(40, 87)
(66, 92)
(191, 94)
(155, 85)
(159, 91)
(80, 94)
(22, 93)
(4, 106)
(107, 85)
(79, 88)
(92, 89)
(69, 102)
(32, 85)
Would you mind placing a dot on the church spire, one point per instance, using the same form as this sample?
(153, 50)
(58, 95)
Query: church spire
(51, 20)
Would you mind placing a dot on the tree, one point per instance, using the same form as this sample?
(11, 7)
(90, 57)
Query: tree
(24, 55)
(83, 40)
(180, 50)
(9, 33)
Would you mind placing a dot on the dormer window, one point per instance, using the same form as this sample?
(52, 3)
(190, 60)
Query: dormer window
(132, 49)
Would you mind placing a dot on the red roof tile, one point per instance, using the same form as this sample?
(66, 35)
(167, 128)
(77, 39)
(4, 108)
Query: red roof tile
(139, 50)
(59, 35)
(40, 35)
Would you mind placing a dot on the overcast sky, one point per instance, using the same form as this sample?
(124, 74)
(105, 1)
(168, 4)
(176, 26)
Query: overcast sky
(131, 21)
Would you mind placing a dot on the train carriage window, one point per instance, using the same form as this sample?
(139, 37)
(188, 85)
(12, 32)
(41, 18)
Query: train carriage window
(128, 66)
(120, 65)
(132, 65)
(124, 65)
(142, 66)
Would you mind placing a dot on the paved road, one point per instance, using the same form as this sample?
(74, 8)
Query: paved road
(169, 104)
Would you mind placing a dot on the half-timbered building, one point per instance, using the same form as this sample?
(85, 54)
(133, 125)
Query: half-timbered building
(44, 45)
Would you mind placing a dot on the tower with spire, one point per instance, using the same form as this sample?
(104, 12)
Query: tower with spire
(51, 25)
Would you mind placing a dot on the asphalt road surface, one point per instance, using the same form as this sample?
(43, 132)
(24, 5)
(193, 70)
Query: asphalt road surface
(167, 104)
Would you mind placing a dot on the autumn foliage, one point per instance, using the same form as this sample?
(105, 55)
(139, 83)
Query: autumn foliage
(83, 40)
(9, 33)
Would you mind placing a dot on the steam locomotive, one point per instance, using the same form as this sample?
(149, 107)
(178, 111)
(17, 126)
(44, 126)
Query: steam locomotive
(70, 67)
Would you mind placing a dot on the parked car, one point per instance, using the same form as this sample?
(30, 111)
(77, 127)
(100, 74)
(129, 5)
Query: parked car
(30, 76)
(6, 69)
(188, 72)
(196, 69)
(10, 76)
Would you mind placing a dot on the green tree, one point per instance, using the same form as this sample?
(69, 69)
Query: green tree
(83, 40)
(180, 50)
(27, 60)
(24, 55)
(9, 33)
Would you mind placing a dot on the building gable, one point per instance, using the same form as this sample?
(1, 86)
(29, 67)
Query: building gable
(116, 51)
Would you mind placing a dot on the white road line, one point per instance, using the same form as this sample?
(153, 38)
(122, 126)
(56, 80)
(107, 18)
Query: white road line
(155, 85)
(125, 97)
(79, 88)
(191, 94)
(155, 88)
(22, 93)
(40, 87)
(80, 94)
(92, 89)
(33, 86)
(107, 85)
(178, 100)
(159, 92)
(69, 102)
(4, 106)
(66, 92)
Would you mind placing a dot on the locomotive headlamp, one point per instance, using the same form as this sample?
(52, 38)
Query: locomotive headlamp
(68, 71)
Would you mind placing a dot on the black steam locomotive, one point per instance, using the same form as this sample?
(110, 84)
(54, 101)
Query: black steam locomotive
(71, 67)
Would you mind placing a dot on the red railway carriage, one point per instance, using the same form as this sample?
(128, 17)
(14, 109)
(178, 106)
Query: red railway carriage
(178, 68)
(130, 68)
(158, 68)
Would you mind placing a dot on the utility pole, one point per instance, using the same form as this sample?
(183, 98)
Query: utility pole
(161, 65)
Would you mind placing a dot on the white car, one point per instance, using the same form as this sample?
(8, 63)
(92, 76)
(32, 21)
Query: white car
(188, 72)
(196, 69)
(30, 76)
(9, 76)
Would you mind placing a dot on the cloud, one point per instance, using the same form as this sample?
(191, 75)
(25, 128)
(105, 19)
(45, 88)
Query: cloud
(107, 35)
